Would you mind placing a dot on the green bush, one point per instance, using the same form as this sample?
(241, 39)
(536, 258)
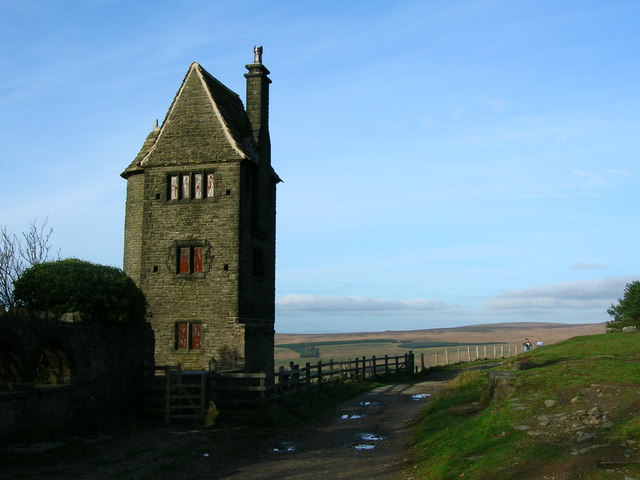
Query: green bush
(98, 292)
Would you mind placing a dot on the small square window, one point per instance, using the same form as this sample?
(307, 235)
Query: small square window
(190, 259)
(196, 336)
(211, 181)
(197, 259)
(184, 260)
(173, 188)
(197, 186)
(188, 336)
(182, 333)
(186, 186)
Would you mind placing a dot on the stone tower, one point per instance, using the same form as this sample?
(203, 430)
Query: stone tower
(200, 225)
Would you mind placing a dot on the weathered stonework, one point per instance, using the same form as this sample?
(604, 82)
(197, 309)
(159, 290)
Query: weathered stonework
(205, 255)
(91, 368)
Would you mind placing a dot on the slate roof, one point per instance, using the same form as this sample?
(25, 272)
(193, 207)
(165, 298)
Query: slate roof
(229, 109)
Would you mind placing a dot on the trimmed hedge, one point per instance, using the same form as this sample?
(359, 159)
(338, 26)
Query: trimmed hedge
(99, 292)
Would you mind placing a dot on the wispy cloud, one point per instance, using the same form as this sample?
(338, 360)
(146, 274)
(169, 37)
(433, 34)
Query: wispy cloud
(590, 177)
(588, 266)
(336, 303)
(624, 173)
(572, 295)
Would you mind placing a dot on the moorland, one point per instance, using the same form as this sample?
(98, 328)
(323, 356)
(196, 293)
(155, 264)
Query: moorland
(312, 347)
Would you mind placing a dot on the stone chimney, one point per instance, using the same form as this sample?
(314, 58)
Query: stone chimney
(258, 104)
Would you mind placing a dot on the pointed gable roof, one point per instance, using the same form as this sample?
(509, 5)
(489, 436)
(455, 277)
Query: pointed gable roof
(206, 122)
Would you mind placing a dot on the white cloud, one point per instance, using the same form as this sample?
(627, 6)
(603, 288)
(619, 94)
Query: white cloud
(619, 172)
(590, 177)
(588, 266)
(337, 303)
(568, 295)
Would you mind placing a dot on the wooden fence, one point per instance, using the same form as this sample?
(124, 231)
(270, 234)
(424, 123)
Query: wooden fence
(449, 355)
(230, 388)
(174, 394)
(184, 395)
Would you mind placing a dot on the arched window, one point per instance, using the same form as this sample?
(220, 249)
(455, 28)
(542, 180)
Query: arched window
(53, 367)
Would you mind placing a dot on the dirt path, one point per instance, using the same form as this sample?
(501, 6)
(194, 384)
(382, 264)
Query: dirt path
(364, 438)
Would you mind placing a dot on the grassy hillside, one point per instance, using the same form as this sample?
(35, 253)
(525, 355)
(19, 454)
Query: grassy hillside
(569, 411)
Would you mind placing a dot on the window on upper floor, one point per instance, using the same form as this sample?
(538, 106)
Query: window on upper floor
(191, 186)
(190, 259)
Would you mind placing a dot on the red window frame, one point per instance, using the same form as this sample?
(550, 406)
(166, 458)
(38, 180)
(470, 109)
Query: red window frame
(188, 336)
(190, 260)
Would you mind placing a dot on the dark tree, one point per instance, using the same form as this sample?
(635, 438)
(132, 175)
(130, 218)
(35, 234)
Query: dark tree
(98, 292)
(18, 253)
(627, 312)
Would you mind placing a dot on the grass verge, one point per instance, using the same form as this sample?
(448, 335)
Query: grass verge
(570, 413)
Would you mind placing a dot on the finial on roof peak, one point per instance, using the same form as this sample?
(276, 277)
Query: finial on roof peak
(156, 124)
(257, 54)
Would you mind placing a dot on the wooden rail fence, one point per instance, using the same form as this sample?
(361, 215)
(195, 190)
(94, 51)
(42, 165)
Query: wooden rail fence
(184, 395)
(174, 394)
(448, 355)
(229, 388)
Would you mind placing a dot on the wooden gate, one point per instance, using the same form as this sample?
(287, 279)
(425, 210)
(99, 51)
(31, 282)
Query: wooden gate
(176, 395)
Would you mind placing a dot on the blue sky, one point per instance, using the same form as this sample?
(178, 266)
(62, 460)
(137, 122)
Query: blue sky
(444, 163)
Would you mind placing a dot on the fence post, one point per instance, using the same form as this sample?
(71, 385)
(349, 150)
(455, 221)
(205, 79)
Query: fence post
(375, 368)
(501, 351)
(281, 378)
(386, 364)
(263, 386)
(437, 358)
(320, 371)
(485, 352)
(458, 354)
(477, 353)
(331, 369)
(494, 351)
(203, 396)
(167, 396)
(308, 373)
(422, 361)
(446, 356)
(411, 362)
(364, 367)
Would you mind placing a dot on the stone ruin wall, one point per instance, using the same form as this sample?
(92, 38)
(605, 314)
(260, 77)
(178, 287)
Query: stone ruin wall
(94, 368)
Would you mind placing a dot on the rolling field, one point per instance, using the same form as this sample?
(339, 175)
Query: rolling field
(302, 348)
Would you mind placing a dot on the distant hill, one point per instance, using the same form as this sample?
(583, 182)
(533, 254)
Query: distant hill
(486, 333)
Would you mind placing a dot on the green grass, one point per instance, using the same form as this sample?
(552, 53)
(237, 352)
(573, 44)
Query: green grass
(464, 434)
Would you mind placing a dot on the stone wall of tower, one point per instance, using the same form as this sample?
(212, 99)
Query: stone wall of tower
(231, 301)
(257, 262)
(209, 298)
(133, 227)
